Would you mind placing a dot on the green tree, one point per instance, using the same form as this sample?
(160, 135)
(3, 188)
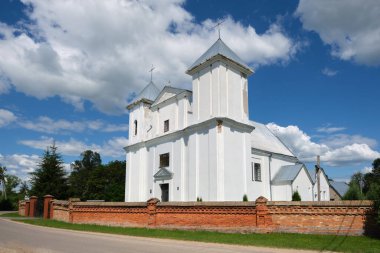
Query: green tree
(376, 167)
(81, 172)
(107, 182)
(10, 188)
(2, 181)
(9, 198)
(49, 177)
(23, 190)
(353, 192)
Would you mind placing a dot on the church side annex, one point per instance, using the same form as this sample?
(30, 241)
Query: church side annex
(200, 144)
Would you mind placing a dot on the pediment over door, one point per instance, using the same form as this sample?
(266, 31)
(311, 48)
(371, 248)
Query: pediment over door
(163, 174)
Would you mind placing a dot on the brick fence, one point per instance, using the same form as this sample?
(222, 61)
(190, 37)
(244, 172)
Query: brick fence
(325, 217)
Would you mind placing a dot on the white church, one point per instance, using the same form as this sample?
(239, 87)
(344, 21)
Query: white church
(185, 145)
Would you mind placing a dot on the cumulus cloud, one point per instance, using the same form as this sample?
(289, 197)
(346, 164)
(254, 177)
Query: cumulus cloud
(101, 51)
(329, 72)
(48, 125)
(20, 164)
(112, 148)
(366, 170)
(337, 150)
(6, 117)
(350, 27)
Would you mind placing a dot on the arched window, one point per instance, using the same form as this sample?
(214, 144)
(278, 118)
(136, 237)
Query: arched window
(135, 125)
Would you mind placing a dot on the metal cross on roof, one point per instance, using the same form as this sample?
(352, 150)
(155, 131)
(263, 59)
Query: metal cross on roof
(151, 73)
(218, 25)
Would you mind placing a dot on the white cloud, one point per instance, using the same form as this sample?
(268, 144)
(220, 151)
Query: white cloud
(111, 148)
(353, 150)
(100, 51)
(47, 125)
(330, 130)
(6, 117)
(20, 164)
(350, 154)
(340, 140)
(329, 72)
(366, 170)
(350, 27)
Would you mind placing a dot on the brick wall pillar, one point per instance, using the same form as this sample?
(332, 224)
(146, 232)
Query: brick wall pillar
(27, 207)
(47, 200)
(152, 210)
(263, 217)
(33, 206)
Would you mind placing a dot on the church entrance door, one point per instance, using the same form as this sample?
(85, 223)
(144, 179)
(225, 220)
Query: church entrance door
(164, 192)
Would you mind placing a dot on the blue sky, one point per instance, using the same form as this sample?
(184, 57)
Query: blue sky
(69, 68)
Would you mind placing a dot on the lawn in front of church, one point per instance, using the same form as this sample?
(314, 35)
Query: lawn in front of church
(274, 240)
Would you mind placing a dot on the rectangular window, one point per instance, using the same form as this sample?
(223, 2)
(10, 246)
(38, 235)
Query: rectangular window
(166, 126)
(256, 173)
(253, 172)
(164, 160)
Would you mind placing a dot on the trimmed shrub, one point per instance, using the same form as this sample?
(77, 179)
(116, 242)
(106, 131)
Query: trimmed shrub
(296, 196)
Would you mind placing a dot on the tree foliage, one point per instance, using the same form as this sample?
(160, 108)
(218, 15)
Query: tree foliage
(366, 186)
(107, 182)
(9, 197)
(81, 172)
(49, 177)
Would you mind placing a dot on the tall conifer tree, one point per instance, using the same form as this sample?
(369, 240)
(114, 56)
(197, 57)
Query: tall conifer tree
(50, 177)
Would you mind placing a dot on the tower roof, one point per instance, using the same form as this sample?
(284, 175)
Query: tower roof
(149, 94)
(219, 48)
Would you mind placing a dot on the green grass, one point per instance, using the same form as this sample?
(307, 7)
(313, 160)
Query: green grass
(276, 240)
(10, 215)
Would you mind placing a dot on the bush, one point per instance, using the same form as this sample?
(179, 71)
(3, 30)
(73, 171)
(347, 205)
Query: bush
(296, 196)
(6, 205)
(245, 198)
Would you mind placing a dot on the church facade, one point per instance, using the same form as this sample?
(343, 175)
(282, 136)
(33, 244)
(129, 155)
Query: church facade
(187, 145)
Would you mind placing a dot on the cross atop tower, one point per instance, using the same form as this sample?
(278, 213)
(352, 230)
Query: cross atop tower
(218, 25)
(151, 73)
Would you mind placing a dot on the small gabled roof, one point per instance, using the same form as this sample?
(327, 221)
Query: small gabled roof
(263, 139)
(340, 187)
(168, 89)
(163, 174)
(219, 48)
(313, 173)
(149, 94)
(287, 173)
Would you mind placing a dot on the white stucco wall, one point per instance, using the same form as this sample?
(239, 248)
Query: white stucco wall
(303, 185)
(220, 90)
(282, 192)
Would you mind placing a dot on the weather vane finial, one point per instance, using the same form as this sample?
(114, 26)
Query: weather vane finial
(218, 25)
(151, 73)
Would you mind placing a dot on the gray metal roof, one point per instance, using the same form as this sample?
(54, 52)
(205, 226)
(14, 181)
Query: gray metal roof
(312, 174)
(340, 187)
(219, 48)
(150, 92)
(263, 139)
(287, 173)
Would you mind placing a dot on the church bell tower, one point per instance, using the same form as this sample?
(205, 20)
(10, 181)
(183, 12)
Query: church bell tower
(220, 85)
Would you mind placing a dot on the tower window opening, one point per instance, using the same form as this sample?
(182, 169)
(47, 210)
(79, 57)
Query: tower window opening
(135, 126)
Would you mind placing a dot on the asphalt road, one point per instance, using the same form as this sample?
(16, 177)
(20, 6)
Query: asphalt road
(18, 237)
